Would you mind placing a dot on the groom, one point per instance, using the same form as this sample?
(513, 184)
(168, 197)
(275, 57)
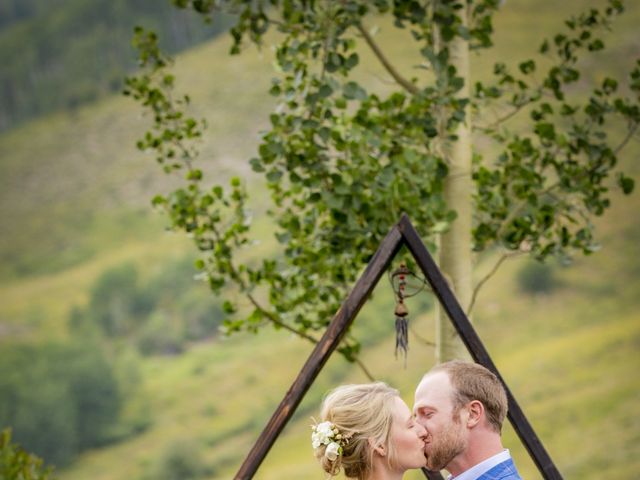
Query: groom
(462, 406)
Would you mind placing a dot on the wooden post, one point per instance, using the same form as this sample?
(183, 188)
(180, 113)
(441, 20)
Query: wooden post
(476, 348)
(402, 233)
(321, 353)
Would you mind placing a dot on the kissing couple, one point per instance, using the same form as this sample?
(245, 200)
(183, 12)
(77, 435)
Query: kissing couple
(368, 432)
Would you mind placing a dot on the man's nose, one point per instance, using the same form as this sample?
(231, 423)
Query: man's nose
(420, 421)
(422, 432)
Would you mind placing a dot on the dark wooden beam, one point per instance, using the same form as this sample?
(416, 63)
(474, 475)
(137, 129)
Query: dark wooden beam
(431, 475)
(475, 346)
(403, 233)
(321, 353)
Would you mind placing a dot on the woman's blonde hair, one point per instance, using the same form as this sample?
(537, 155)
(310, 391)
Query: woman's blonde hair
(361, 413)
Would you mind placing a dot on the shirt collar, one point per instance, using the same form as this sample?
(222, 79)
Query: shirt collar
(477, 470)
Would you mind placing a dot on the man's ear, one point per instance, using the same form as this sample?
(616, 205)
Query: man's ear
(379, 449)
(476, 413)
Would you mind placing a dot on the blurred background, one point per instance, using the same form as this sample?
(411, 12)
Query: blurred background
(111, 361)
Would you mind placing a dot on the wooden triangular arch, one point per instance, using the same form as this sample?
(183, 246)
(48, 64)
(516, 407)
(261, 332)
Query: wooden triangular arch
(401, 234)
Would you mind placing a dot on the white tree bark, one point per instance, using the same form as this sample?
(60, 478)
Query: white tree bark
(455, 245)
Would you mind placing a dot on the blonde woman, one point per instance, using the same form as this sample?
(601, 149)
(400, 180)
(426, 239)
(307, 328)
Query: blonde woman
(369, 432)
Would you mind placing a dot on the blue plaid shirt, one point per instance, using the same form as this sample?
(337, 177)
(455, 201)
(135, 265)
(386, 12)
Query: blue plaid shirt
(498, 467)
(503, 471)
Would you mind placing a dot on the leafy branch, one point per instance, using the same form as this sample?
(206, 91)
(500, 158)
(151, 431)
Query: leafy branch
(566, 153)
(341, 161)
(217, 220)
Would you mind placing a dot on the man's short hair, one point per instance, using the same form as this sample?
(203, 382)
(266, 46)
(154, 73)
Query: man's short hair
(472, 381)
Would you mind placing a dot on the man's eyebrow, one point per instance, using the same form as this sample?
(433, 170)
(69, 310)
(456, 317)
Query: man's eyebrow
(418, 408)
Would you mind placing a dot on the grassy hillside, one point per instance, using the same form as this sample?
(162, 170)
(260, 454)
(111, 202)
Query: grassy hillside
(58, 55)
(74, 198)
(570, 357)
(70, 181)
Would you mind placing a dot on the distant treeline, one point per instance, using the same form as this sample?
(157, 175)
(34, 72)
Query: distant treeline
(61, 398)
(59, 54)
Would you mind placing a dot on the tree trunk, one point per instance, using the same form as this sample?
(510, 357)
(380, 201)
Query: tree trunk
(455, 245)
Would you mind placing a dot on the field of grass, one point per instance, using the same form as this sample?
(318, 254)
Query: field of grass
(74, 200)
(569, 357)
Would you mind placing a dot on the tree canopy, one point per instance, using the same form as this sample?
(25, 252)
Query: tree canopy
(343, 162)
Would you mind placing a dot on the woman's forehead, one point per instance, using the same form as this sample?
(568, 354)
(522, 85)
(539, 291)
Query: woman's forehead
(400, 409)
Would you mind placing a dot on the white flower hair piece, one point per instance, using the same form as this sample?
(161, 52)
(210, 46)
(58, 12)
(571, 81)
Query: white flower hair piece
(326, 433)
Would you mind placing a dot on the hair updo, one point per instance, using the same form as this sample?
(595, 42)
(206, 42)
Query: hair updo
(359, 412)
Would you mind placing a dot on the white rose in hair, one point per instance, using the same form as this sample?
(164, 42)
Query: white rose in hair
(325, 428)
(323, 434)
(332, 451)
(315, 440)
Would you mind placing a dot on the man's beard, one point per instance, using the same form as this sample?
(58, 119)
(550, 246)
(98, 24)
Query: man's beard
(449, 443)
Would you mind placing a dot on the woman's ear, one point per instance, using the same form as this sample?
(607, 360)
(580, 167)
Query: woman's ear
(476, 413)
(379, 449)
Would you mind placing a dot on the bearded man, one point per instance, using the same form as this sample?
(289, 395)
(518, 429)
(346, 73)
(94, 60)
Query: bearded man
(462, 406)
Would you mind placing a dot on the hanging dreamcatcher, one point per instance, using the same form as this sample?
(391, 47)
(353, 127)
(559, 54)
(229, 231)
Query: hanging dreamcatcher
(405, 284)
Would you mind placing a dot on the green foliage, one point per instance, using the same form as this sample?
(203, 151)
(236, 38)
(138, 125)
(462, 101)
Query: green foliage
(536, 277)
(550, 181)
(135, 416)
(180, 461)
(159, 315)
(177, 295)
(18, 464)
(343, 163)
(160, 336)
(63, 54)
(59, 399)
(117, 302)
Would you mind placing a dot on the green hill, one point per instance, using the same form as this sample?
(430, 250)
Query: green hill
(74, 201)
(60, 54)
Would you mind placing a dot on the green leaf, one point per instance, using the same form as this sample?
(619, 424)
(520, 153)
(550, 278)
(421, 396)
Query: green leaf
(340, 103)
(545, 130)
(324, 133)
(325, 91)
(275, 90)
(527, 67)
(544, 48)
(283, 237)
(158, 200)
(314, 197)
(228, 307)
(256, 165)
(386, 175)
(352, 61)
(609, 85)
(334, 62)
(274, 175)
(627, 184)
(353, 91)
(194, 174)
(596, 45)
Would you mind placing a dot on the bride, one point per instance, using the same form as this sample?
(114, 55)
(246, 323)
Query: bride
(369, 432)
